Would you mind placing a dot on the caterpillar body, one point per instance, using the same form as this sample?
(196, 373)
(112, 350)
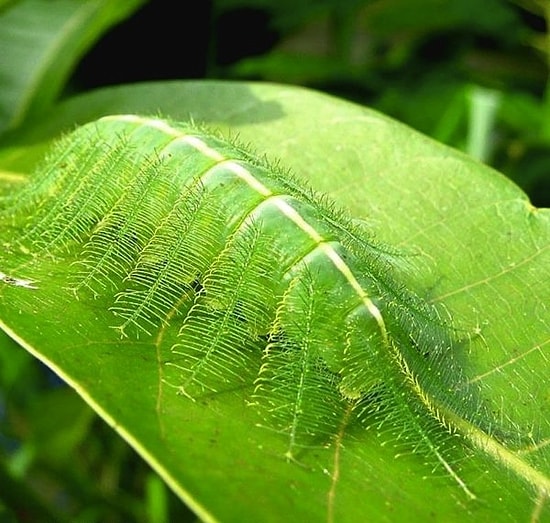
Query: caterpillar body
(168, 218)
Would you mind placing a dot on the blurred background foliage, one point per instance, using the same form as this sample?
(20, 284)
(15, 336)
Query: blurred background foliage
(473, 74)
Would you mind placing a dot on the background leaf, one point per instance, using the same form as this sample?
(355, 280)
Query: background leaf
(474, 243)
(41, 42)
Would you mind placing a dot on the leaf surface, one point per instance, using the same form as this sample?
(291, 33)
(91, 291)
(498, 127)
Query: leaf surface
(473, 243)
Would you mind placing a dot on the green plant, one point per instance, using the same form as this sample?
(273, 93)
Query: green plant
(463, 237)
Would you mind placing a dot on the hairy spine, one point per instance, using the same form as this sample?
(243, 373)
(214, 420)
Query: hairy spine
(261, 264)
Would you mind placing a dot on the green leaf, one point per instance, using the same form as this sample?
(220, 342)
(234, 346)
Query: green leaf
(33, 70)
(475, 245)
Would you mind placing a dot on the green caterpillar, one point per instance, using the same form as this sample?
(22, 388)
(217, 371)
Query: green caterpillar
(258, 274)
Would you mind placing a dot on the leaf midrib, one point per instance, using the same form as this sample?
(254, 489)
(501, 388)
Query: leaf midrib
(500, 453)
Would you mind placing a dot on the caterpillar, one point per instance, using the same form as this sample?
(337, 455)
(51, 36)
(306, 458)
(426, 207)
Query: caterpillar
(259, 275)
